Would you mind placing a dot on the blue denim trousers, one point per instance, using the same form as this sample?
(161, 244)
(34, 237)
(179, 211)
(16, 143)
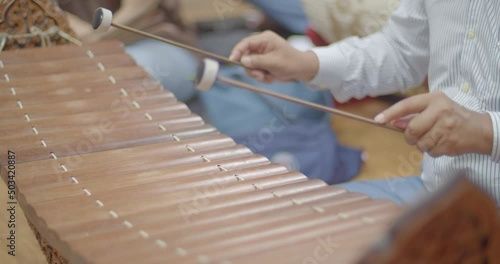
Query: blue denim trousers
(289, 13)
(173, 67)
(404, 190)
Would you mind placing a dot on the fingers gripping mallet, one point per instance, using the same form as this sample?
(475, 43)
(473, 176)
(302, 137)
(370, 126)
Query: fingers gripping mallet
(207, 77)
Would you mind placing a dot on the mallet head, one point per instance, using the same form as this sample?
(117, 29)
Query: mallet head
(207, 74)
(102, 19)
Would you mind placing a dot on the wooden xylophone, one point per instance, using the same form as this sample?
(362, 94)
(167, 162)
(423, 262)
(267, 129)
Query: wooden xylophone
(111, 168)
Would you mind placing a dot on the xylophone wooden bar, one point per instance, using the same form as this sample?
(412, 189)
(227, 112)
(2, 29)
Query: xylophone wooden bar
(68, 65)
(27, 56)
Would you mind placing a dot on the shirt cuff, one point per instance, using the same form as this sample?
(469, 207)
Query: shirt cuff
(331, 68)
(495, 118)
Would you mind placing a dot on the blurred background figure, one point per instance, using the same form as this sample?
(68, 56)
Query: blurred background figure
(288, 14)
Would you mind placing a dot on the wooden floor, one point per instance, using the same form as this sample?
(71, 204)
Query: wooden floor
(388, 155)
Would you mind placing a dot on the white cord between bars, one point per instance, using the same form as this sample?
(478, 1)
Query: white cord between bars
(222, 168)
(7, 78)
(13, 90)
(144, 234)
(87, 192)
(90, 54)
(368, 220)
(74, 180)
(113, 214)
(128, 224)
(343, 215)
(190, 149)
(160, 243)
(136, 104)
(203, 259)
(100, 66)
(181, 252)
(257, 186)
(239, 178)
(318, 209)
(124, 92)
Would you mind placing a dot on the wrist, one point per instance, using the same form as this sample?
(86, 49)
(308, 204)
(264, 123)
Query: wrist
(486, 132)
(308, 66)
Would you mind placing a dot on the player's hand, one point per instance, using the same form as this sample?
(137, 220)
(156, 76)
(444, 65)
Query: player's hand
(270, 58)
(439, 126)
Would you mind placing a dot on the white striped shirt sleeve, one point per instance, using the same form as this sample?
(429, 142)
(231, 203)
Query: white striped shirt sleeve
(457, 43)
(394, 59)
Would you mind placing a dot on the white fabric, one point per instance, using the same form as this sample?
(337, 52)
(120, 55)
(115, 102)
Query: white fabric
(456, 43)
(337, 19)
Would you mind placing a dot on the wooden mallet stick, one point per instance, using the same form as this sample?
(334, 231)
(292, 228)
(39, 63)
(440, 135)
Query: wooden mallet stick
(207, 76)
(103, 20)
